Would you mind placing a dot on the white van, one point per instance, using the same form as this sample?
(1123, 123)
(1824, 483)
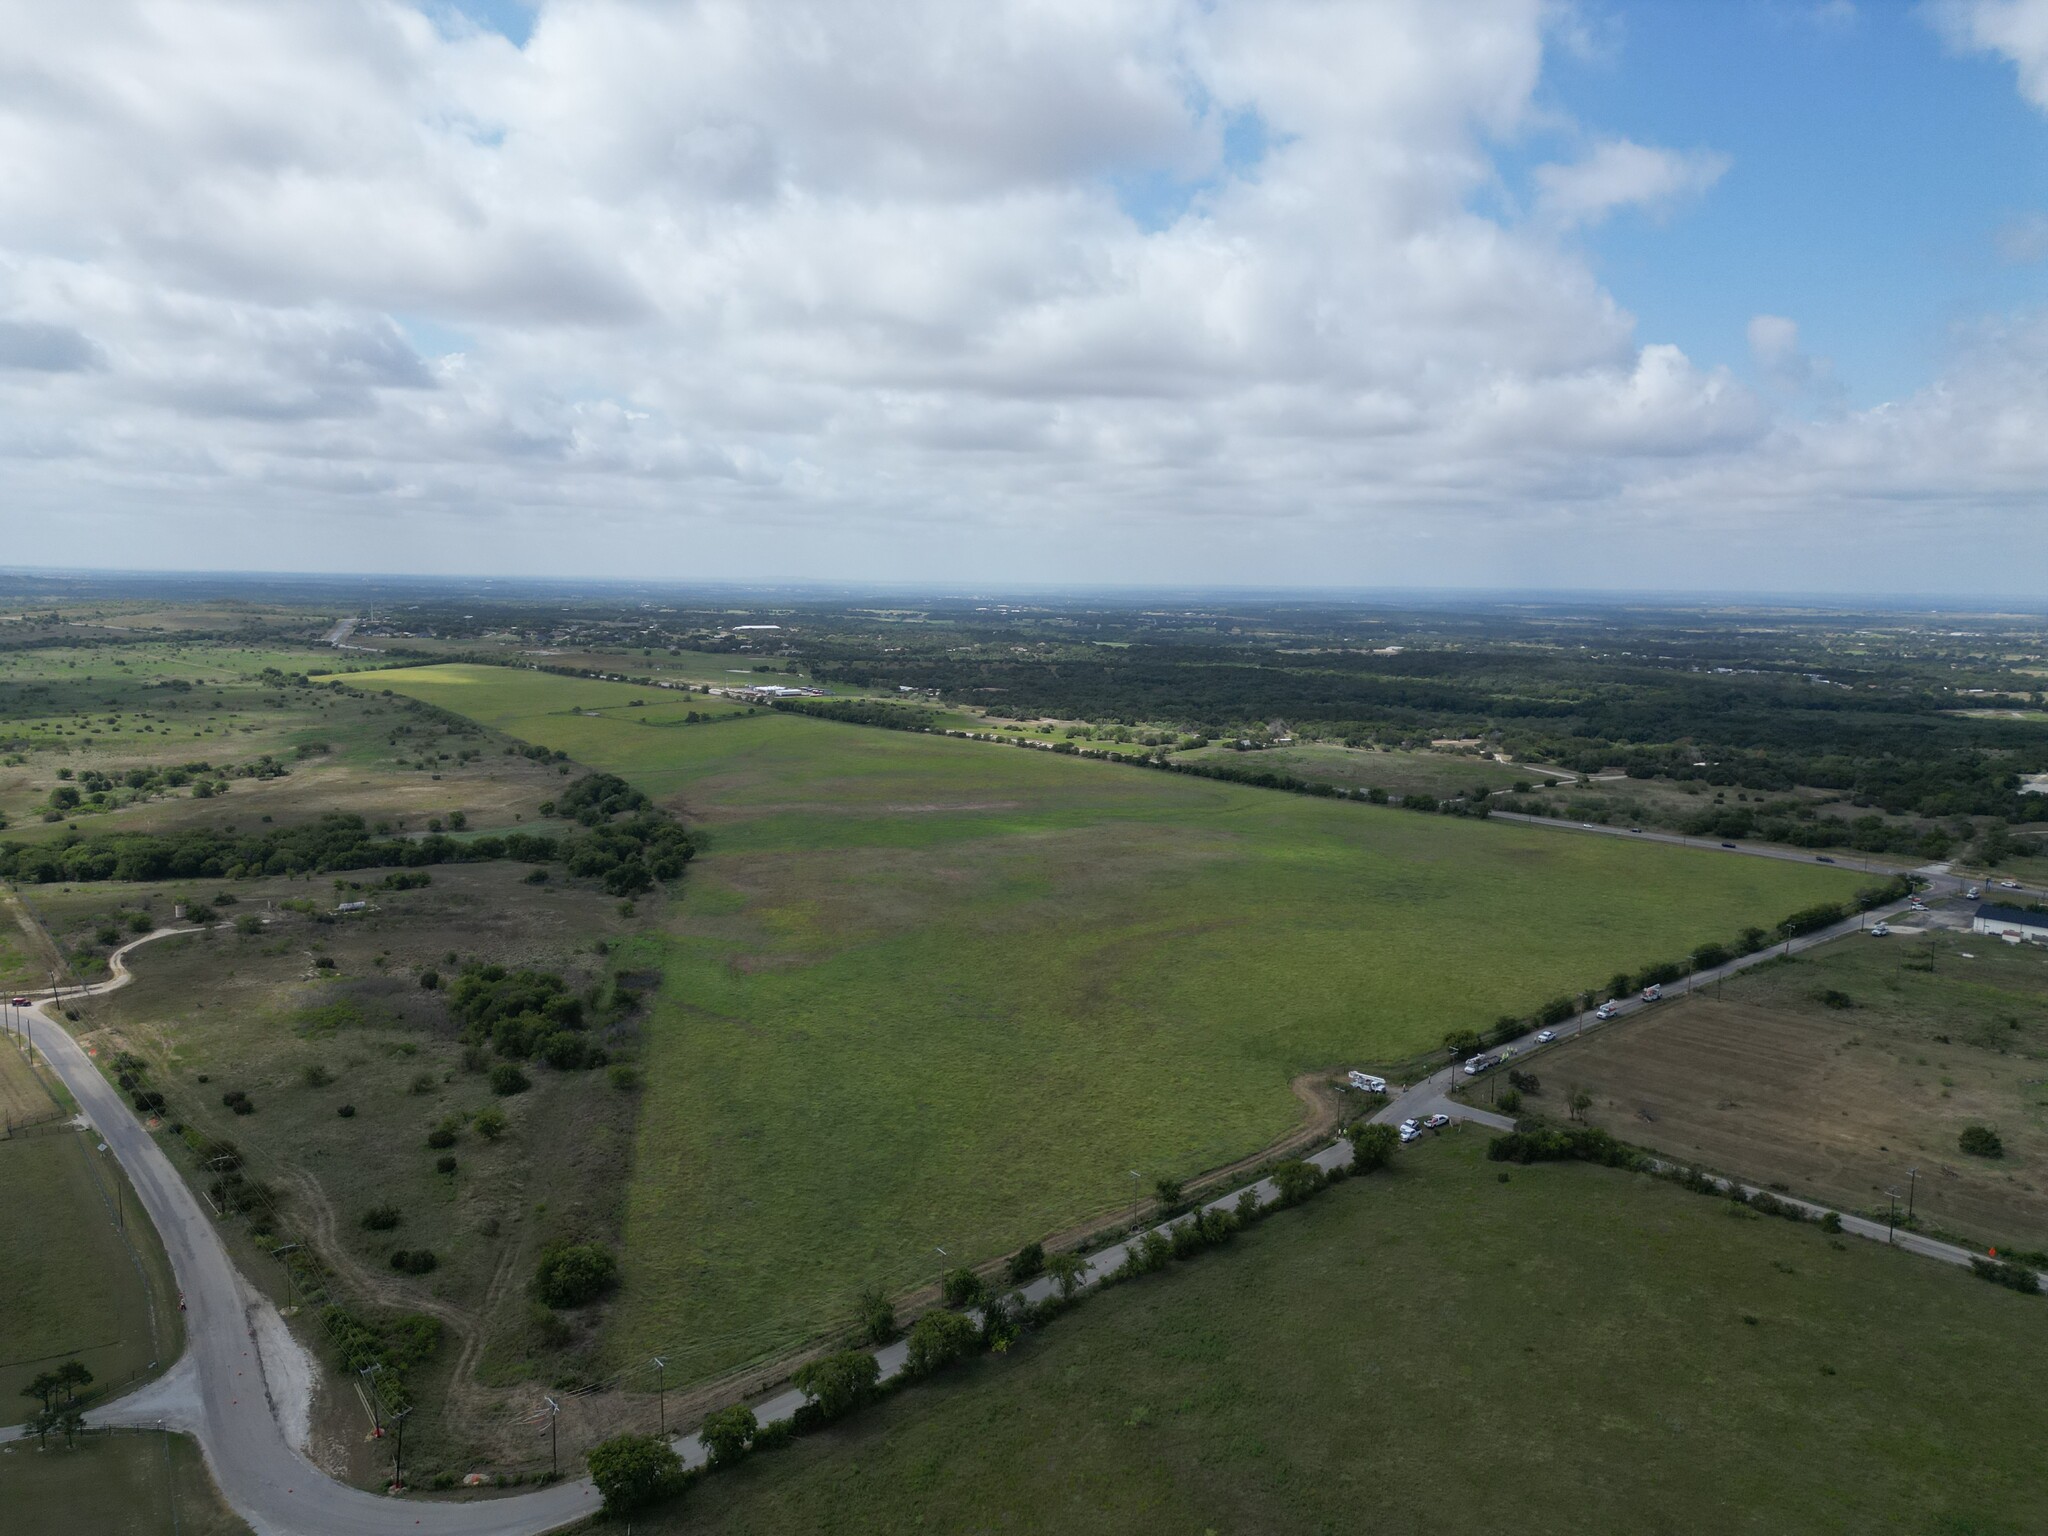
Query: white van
(1365, 1082)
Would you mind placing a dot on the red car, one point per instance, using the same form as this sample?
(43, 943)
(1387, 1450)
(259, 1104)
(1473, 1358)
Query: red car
(21, 1002)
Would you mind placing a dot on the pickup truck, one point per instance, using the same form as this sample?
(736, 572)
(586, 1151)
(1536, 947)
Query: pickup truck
(1365, 1082)
(1653, 994)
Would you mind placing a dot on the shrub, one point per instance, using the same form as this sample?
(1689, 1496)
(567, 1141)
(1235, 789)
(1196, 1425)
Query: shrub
(1027, 1263)
(491, 1122)
(148, 1102)
(729, 1434)
(1511, 1101)
(962, 1288)
(1372, 1146)
(874, 1317)
(839, 1383)
(323, 963)
(624, 1076)
(1831, 1222)
(380, 1218)
(2015, 1277)
(1981, 1141)
(1296, 1180)
(444, 1164)
(414, 1261)
(571, 1274)
(346, 1111)
(1833, 997)
(1575, 1144)
(430, 980)
(247, 924)
(440, 1136)
(1171, 1195)
(316, 1076)
(1527, 1082)
(507, 1080)
(634, 1471)
(937, 1339)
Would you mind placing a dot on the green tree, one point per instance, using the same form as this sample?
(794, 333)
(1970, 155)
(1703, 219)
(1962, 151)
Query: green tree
(1000, 1325)
(1981, 1141)
(874, 1316)
(1066, 1269)
(633, 1471)
(1171, 1193)
(571, 1274)
(1296, 1180)
(491, 1122)
(938, 1338)
(839, 1383)
(1027, 1263)
(729, 1434)
(962, 1288)
(1372, 1145)
(1580, 1101)
(1462, 1043)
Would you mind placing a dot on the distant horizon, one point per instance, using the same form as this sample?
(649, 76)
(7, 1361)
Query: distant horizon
(1989, 605)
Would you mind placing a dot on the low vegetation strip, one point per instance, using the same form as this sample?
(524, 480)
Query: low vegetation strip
(925, 993)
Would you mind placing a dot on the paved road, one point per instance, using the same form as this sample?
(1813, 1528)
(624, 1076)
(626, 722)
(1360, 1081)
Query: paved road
(223, 1391)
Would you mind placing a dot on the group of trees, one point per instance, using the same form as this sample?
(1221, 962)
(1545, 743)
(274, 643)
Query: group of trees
(628, 845)
(58, 1406)
(524, 1014)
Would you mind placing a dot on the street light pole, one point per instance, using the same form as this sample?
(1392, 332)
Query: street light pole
(278, 1254)
(398, 1452)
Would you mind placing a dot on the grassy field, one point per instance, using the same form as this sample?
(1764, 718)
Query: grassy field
(1570, 1350)
(114, 1485)
(927, 993)
(1398, 773)
(1768, 1080)
(74, 1285)
(258, 1013)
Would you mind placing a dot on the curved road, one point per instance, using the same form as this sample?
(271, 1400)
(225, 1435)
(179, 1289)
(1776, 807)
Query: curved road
(221, 1391)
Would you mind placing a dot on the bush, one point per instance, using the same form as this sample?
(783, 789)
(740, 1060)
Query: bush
(1981, 1141)
(962, 1288)
(1831, 1222)
(571, 1274)
(346, 1111)
(430, 980)
(2015, 1277)
(316, 1076)
(380, 1218)
(1527, 1082)
(624, 1076)
(1511, 1101)
(729, 1434)
(415, 1261)
(1296, 1180)
(491, 1122)
(444, 1164)
(1372, 1146)
(507, 1080)
(440, 1136)
(634, 1471)
(323, 963)
(874, 1317)
(1027, 1263)
(937, 1339)
(839, 1383)
(1585, 1144)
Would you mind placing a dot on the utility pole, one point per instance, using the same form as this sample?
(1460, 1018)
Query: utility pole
(278, 1254)
(398, 1451)
(376, 1398)
(554, 1412)
(1912, 1188)
(1892, 1220)
(661, 1394)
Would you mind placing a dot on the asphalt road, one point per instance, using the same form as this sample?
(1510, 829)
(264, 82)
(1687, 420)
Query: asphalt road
(223, 1392)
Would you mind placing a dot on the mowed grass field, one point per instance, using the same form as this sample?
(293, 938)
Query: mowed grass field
(72, 1285)
(927, 993)
(1766, 1079)
(114, 1485)
(1398, 773)
(1573, 1350)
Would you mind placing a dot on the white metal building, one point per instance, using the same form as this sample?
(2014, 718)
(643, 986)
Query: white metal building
(2001, 921)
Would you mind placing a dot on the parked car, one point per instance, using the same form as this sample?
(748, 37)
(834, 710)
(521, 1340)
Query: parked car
(1410, 1130)
(1545, 1036)
(1585, 826)
(1821, 858)
(1606, 1011)
(1974, 892)
(2009, 885)
(1880, 932)
(1653, 993)
(1635, 829)
(1365, 1082)
(21, 1002)
(1437, 1122)
(1727, 845)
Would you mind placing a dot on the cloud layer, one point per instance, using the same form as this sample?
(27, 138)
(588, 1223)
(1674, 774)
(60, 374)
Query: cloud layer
(1069, 290)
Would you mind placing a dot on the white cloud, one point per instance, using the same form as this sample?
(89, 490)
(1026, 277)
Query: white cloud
(854, 287)
(2016, 29)
(1620, 173)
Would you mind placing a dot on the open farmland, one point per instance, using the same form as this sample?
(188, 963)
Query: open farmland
(1442, 774)
(1925, 1035)
(925, 992)
(115, 1485)
(1571, 1350)
(76, 1283)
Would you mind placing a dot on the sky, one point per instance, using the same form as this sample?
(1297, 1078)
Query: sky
(1749, 295)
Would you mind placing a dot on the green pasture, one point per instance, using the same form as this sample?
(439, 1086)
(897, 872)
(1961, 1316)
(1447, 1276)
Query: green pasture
(929, 993)
(1572, 1350)
(1398, 773)
(114, 1485)
(73, 1285)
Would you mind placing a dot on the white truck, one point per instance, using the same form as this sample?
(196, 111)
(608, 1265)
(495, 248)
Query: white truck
(1365, 1082)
